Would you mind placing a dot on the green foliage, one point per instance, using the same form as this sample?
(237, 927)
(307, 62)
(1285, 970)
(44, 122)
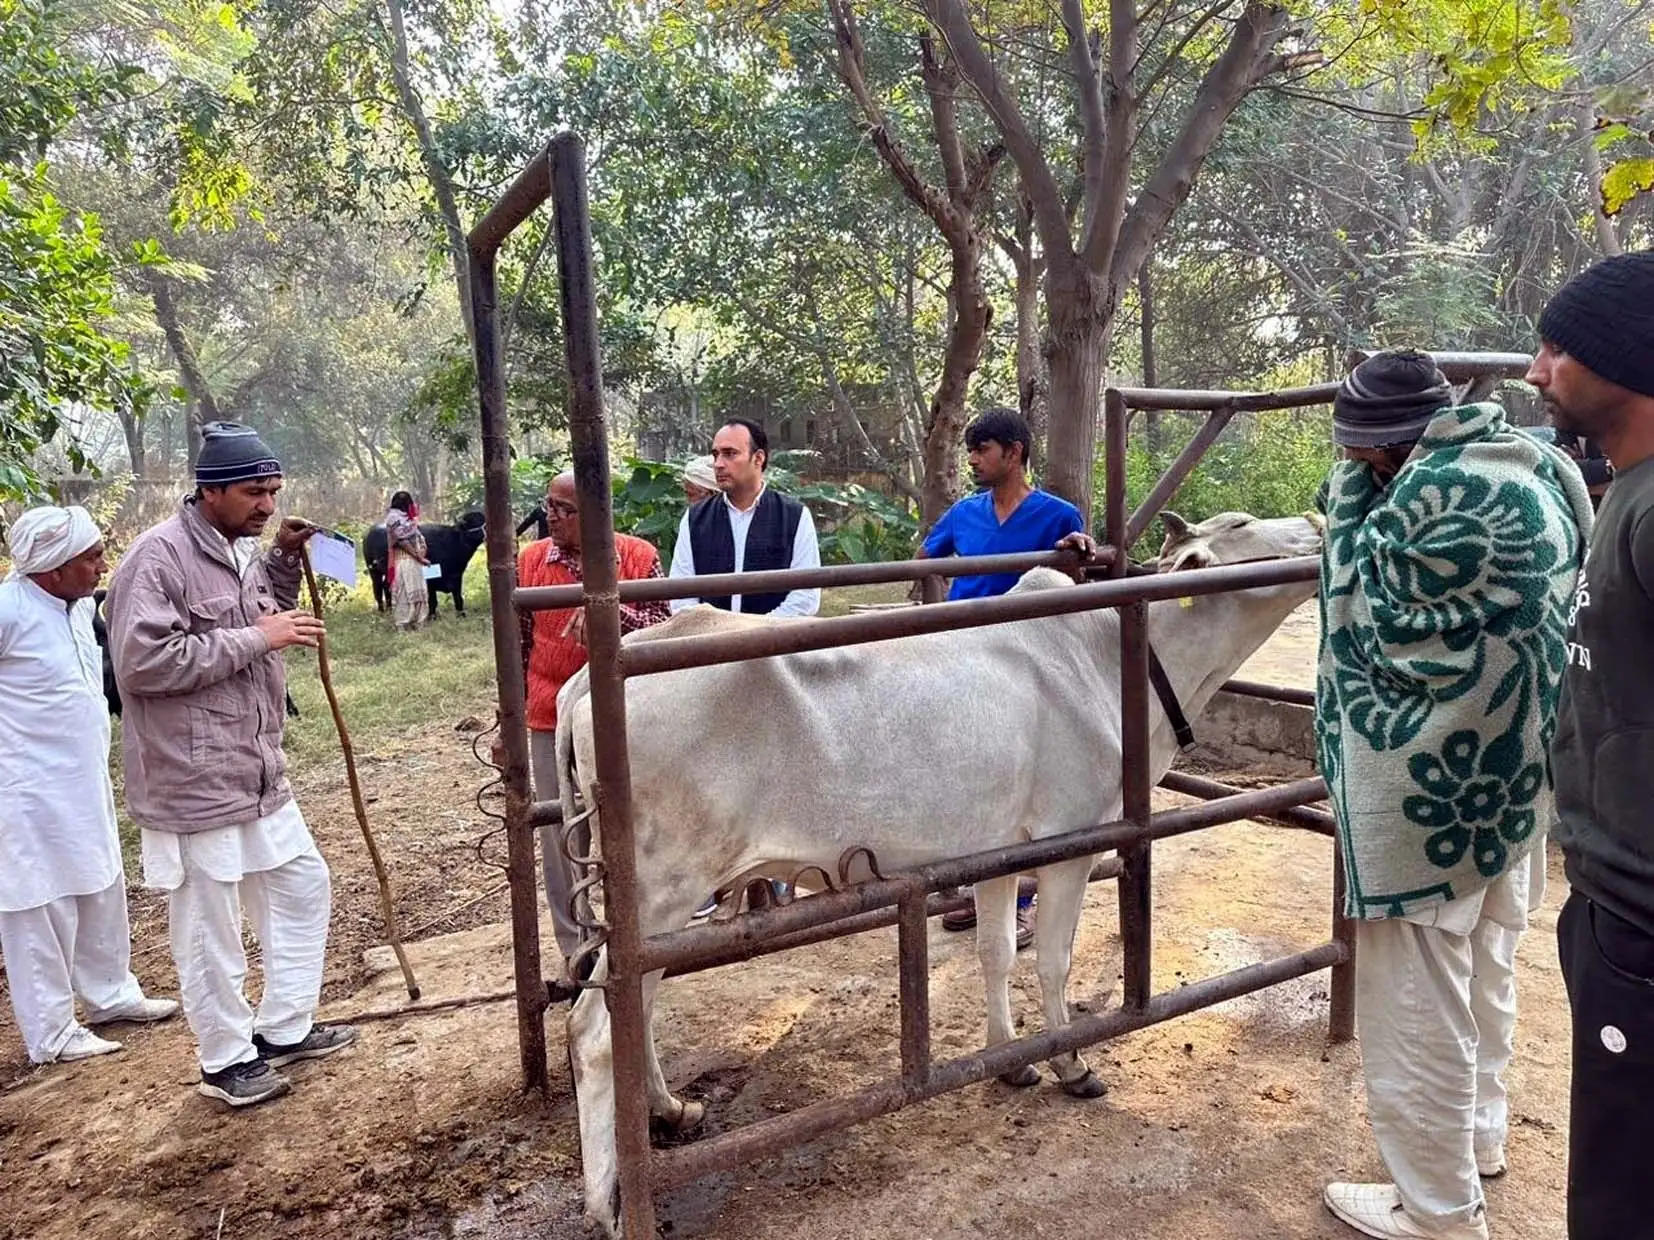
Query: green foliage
(649, 502)
(1269, 465)
(1625, 128)
(529, 476)
(854, 525)
(56, 275)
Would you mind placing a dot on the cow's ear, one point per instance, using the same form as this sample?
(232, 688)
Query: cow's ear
(1177, 528)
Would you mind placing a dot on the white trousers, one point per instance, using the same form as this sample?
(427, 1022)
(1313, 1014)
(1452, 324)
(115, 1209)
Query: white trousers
(1436, 1014)
(76, 945)
(289, 907)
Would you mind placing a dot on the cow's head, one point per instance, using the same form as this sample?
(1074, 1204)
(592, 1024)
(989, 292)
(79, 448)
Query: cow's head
(1235, 538)
(471, 525)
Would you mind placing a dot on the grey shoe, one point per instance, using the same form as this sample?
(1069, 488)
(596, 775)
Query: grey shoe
(319, 1043)
(1025, 926)
(244, 1084)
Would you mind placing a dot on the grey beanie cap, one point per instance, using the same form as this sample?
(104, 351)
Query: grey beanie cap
(1388, 400)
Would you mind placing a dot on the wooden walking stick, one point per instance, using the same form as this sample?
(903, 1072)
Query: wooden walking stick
(356, 785)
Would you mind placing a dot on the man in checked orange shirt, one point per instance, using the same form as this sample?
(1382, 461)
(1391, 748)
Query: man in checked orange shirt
(554, 648)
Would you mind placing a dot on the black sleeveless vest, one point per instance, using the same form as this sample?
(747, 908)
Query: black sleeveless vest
(769, 544)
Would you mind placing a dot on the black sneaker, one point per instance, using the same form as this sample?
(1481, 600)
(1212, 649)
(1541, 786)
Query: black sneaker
(244, 1084)
(319, 1043)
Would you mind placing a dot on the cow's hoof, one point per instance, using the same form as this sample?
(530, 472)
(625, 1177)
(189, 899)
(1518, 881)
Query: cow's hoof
(1088, 1086)
(690, 1115)
(1023, 1077)
(665, 1131)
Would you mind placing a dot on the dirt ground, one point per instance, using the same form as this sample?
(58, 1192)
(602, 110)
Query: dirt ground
(1223, 1124)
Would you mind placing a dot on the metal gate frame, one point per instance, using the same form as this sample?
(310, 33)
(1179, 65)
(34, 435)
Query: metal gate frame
(907, 899)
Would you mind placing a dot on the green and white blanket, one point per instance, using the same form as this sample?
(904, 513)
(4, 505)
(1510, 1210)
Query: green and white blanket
(1444, 600)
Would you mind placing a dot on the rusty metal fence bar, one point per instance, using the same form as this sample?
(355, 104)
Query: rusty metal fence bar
(1303, 817)
(767, 1137)
(682, 949)
(671, 653)
(749, 945)
(907, 899)
(780, 580)
(525, 194)
(1288, 694)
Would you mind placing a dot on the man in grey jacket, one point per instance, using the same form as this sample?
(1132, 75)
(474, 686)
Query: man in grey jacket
(198, 616)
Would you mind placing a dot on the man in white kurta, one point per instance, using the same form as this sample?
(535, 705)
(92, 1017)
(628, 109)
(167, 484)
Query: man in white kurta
(198, 617)
(63, 926)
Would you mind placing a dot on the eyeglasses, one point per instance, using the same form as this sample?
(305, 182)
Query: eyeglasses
(558, 508)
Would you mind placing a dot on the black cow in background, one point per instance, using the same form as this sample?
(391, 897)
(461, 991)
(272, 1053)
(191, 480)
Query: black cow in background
(111, 690)
(448, 546)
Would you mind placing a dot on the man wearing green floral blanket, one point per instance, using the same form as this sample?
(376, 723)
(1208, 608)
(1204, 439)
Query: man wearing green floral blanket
(1452, 546)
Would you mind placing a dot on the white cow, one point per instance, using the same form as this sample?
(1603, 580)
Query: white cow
(919, 749)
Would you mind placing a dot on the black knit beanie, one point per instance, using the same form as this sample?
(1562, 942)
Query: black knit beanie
(1604, 319)
(231, 453)
(1388, 400)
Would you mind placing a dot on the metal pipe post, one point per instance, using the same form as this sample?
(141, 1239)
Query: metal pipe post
(589, 440)
(913, 952)
(532, 998)
(1341, 1020)
(1136, 906)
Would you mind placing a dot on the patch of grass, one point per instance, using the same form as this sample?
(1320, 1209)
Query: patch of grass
(391, 683)
(837, 601)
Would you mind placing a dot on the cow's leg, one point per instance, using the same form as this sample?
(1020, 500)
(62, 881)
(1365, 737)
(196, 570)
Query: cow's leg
(591, 1058)
(430, 599)
(1061, 897)
(677, 1114)
(996, 948)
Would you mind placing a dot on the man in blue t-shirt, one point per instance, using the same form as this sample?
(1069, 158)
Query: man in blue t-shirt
(1006, 515)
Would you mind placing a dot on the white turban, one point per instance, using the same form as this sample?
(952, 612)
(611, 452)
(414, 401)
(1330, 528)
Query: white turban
(697, 471)
(46, 538)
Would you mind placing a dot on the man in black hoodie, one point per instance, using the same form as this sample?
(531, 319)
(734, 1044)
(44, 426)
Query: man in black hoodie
(1596, 370)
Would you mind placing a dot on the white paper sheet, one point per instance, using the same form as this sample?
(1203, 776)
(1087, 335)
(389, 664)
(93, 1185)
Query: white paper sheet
(433, 571)
(333, 555)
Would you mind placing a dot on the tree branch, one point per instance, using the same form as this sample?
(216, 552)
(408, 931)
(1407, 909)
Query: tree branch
(941, 84)
(954, 23)
(1108, 184)
(442, 185)
(1226, 83)
(1088, 93)
(849, 62)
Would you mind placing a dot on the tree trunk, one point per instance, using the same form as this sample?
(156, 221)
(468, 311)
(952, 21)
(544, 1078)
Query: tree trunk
(132, 427)
(945, 427)
(1151, 372)
(1608, 234)
(1033, 385)
(436, 172)
(1076, 348)
(203, 408)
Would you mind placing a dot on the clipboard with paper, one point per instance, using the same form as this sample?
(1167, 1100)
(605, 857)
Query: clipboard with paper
(333, 554)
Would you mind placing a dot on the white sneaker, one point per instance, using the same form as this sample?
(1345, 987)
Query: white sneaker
(84, 1044)
(1490, 1161)
(1376, 1210)
(144, 1012)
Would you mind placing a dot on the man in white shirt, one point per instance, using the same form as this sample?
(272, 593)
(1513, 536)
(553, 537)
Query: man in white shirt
(63, 925)
(748, 528)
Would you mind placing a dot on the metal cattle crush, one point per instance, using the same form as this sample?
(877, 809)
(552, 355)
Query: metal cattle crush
(907, 899)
